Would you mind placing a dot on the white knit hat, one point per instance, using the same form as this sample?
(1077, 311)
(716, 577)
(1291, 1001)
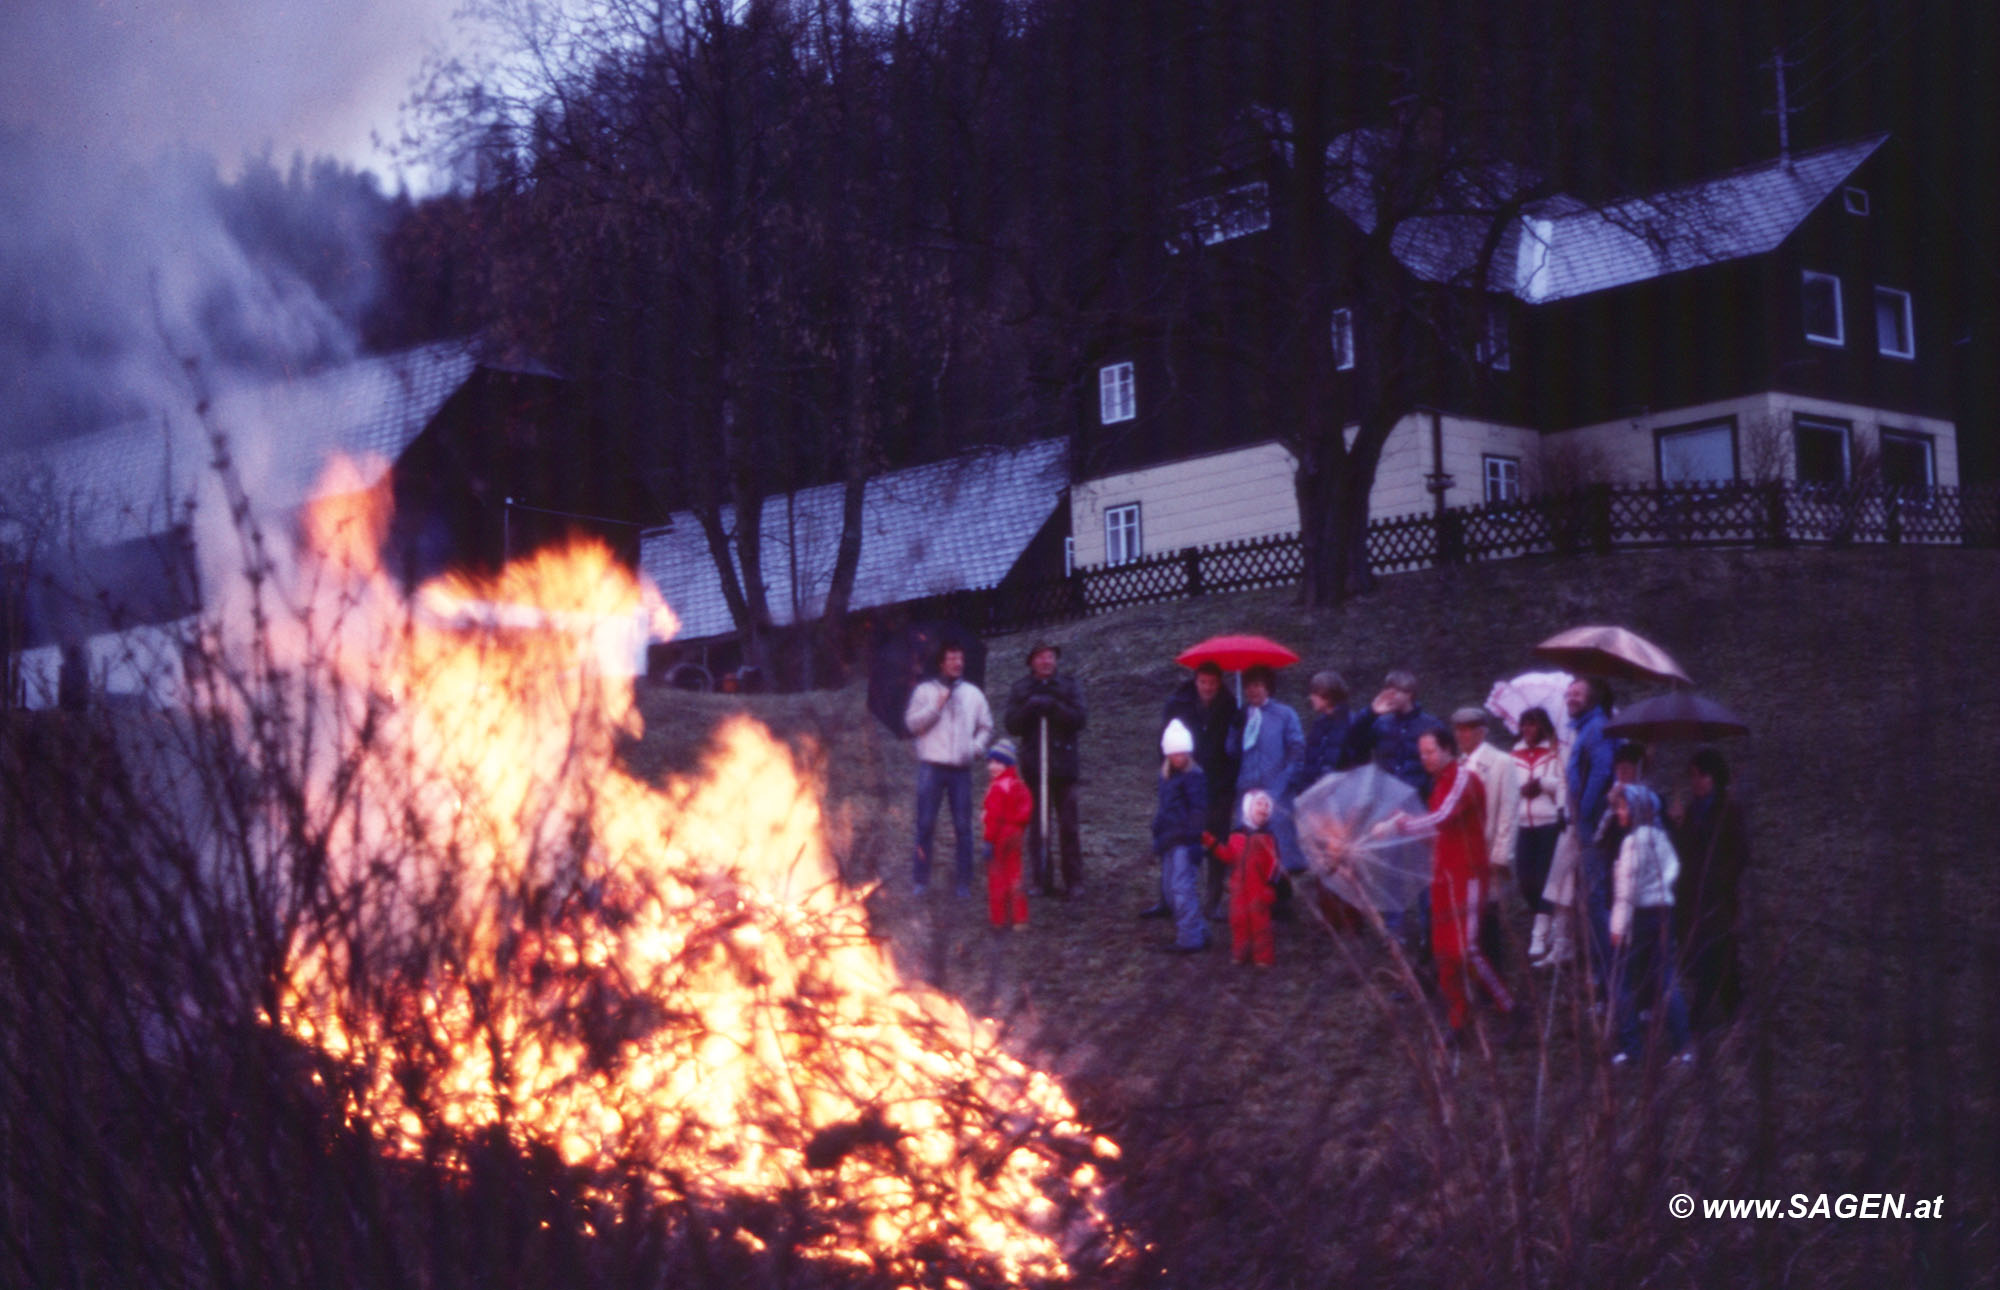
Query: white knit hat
(1177, 738)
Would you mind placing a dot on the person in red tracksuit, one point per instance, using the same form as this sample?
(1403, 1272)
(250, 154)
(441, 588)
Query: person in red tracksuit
(1006, 810)
(1252, 857)
(1460, 877)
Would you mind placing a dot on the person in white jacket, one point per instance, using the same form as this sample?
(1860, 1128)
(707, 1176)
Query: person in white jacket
(952, 725)
(1538, 821)
(1642, 923)
(1495, 771)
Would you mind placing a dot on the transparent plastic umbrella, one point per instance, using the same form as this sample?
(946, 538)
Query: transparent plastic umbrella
(1335, 819)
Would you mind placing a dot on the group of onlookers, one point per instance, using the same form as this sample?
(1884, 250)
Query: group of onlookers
(1642, 895)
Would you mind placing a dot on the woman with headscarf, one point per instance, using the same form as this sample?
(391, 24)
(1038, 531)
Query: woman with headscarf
(1713, 840)
(1642, 923)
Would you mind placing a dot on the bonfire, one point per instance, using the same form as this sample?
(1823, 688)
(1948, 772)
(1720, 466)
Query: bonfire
(666, 985)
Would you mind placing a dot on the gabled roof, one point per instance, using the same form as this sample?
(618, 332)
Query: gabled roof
(134, 480)
(1564, 247)
(1567, 249)
(947, 526)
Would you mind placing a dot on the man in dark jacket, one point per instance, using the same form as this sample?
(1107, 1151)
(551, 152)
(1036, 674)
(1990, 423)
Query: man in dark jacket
(1713, 840)
(1044, 702)
(1388, 735)
(1206, 708)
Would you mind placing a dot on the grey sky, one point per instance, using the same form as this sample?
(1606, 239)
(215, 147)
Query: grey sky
(224, 76)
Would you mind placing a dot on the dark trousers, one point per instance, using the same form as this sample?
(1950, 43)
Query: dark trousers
(1593, 889)
(1063, 806)
(1645, 974)
(1534, 855)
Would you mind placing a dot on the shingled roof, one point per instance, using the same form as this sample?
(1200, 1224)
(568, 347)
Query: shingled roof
(134, 480)
(1563, 247)
(930, 529)
(1568, 249)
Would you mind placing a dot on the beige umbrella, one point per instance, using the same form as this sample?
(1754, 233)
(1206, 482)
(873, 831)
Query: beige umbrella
(1616, 653)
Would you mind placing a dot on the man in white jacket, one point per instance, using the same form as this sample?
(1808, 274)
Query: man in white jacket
(952, 724)
(1495, 771)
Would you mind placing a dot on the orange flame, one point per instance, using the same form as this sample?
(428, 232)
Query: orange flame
(668, 985)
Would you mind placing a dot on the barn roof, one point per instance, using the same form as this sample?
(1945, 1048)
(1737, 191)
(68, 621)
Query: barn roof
(947, 526)
(136, 479)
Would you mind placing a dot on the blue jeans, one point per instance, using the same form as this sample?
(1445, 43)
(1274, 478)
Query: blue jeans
(1180, 891)
(1646, 980)
(933, 783)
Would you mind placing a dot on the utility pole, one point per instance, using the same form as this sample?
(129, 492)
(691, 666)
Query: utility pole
(1784, 110)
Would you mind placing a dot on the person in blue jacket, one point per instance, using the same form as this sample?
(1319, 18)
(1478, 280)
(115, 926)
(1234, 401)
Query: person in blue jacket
(1269, 744)
(1388, 736)
(1588, 780)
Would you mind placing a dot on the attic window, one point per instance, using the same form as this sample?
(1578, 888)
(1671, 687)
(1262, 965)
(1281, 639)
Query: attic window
(1855, 200)
(1115, 398)
(1495, 348)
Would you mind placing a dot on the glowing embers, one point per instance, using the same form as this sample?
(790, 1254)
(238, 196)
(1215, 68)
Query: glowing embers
(668, 986)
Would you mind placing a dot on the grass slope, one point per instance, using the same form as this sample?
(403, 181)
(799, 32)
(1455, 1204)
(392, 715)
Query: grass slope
(1290, 1127)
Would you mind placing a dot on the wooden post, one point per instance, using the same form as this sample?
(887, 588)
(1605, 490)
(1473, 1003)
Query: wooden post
(1600, 518)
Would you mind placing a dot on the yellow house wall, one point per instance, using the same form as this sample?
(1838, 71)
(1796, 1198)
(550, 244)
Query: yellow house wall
(1622, 451)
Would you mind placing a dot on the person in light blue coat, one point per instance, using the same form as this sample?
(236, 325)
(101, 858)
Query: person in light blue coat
(1269, 743)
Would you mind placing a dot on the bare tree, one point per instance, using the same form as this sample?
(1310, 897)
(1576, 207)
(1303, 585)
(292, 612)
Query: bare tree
(715, 214)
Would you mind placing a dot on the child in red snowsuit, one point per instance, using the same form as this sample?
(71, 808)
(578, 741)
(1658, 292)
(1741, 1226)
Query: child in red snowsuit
(1006, 810)
(1252, 857)
(1460, 877)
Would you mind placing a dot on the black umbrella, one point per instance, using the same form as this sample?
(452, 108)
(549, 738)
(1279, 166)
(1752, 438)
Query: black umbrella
(1680, 714)
(906, 655)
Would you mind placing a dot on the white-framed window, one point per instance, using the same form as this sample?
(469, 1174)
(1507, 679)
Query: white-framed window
(1823, 451)
(1908, 461)
(1821, 307)
(1496, 347)
(1069, 556)
(1700, 454)
(1502, 477)
(1854, 200)
(1343, 340)
(1116, 400)
(1121, 533)
(1895, 329)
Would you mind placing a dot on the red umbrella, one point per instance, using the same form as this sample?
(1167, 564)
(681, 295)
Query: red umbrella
(1616, 653)
(1234, 653)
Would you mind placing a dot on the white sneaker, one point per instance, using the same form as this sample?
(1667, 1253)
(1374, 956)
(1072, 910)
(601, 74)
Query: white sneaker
(1538, 940)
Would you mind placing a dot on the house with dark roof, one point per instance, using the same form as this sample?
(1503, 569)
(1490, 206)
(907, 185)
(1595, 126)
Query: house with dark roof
(112, 540)
(969, 522)
(1780, 321)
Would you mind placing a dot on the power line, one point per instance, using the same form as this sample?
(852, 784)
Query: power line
(1811, 95)
(1867, 47)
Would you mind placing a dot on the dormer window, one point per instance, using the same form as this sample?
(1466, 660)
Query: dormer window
(1895, 334)
(1115, 398)
(1854, 200)
(1225, 216)
(1821, 307)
